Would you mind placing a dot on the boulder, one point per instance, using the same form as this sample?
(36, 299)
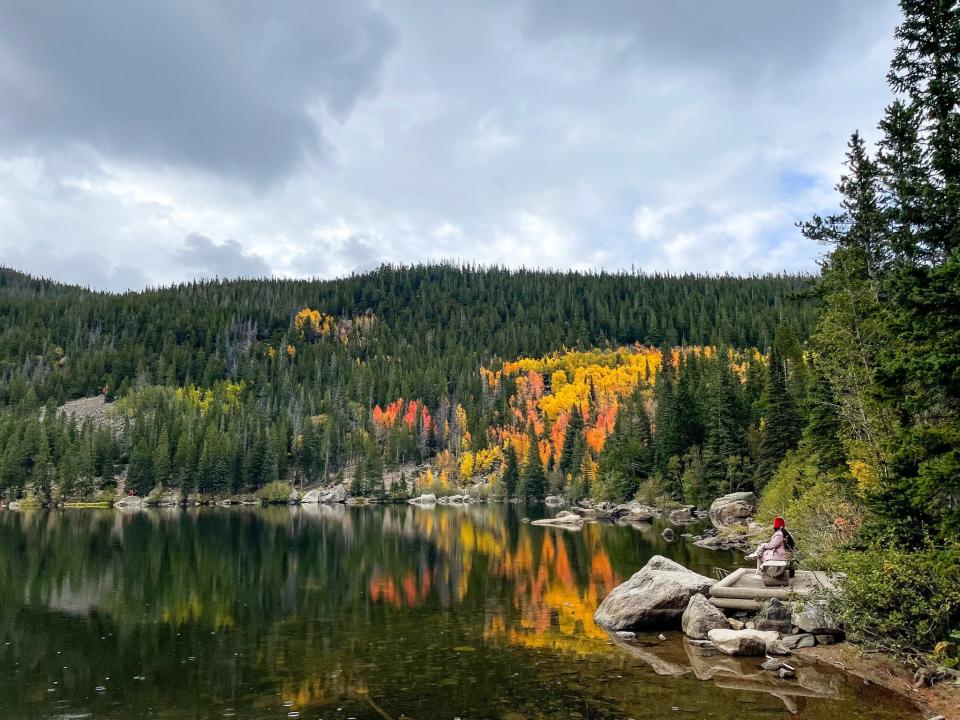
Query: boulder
(564, 518)
(668, 534)
(814, 618)
(429, 499)
(335, 494)
(682, 515)
(747, 642)
(553, 500)
(130, 502)
(655, 595)
(795, 642)
(733, 509)
(700, 617)
(775, 615)
(294, 496)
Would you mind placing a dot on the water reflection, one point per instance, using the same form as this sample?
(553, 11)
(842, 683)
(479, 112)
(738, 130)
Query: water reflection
(342, 612)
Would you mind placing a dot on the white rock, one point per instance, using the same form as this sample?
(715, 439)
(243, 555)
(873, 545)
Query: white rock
(747, 642)
(700, 617)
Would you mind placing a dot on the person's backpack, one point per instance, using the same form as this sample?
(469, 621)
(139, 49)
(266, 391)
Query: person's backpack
(788, 542)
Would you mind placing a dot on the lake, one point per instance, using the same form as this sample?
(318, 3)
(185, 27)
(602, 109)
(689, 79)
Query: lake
(341, 612)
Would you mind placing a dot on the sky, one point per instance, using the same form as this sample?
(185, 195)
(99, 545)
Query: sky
(159, 141)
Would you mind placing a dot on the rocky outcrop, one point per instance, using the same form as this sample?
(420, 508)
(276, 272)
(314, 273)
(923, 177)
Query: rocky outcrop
(429, 499)
(747, 642)
(733, 509)
(335, 494)
(656, 595)
(700, 617)
(564, 518)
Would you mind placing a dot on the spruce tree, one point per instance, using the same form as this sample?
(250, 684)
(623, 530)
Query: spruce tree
(533, 479)
(511, 471)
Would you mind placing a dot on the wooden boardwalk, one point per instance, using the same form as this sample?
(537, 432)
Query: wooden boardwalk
(742, 590)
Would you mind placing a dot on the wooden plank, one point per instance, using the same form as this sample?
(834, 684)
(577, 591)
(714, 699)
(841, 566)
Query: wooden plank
(736, 603)
(730, 579)
(752, 592)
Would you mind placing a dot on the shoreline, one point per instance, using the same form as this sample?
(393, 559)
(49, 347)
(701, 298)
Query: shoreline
(888, 671)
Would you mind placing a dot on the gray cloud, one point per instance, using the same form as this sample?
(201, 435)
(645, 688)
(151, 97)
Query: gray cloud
(664, 135)
(203, 256)
(229, 87)
(89, 269)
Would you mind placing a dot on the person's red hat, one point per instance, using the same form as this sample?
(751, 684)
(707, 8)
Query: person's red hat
(778, 522)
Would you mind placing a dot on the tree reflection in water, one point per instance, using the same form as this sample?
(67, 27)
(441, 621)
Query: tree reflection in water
(393, 611)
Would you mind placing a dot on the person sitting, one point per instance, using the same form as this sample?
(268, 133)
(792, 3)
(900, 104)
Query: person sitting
(779, 547)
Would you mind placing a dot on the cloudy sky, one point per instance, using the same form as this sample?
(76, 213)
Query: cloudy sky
(149, 142)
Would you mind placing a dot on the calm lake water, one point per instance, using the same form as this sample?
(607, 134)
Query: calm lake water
(335, 612)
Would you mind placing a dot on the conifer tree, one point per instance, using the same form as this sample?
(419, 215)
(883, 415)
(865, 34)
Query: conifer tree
(533, 479)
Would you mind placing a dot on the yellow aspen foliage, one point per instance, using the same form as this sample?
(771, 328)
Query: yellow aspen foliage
(466, 465)
(291, 351)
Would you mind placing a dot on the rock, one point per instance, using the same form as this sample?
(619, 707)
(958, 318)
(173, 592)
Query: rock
(668, 535)
(637, 512)
(795, 642)
(750, 625)
(293, 497)
(815, 619)
(626, 635)
(786, 674)
(553, 500)
(736, 624)
(661, 636)
(825, 639)
(775, 615)
(429, 499)
(682, 515)
(733, 509)
(700, 617)
(771, 665)
(130, 502)
(655, 595)
(564, 518)
(746, 642)
(525, 520)
(335, 494)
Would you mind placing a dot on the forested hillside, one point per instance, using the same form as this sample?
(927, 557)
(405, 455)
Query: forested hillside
(226, 386)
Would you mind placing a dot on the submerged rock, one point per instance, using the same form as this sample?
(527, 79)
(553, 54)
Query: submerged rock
(655, 595)
(700, 617)
(733, 509)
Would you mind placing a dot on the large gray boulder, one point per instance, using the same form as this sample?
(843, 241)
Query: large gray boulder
(429, 499)
(656, 595)
(747, 642)
(733, 509)
(700, 617)
(335, 494)
(814, 618)
(775, 615)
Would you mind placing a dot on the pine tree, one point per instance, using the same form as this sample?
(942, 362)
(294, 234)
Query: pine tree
(573, 435)
(781, 427)
(511, 471)
(533, 480)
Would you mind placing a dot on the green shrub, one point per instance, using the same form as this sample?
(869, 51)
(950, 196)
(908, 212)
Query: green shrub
(275, 492)
(822, 512)
(906, 601)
